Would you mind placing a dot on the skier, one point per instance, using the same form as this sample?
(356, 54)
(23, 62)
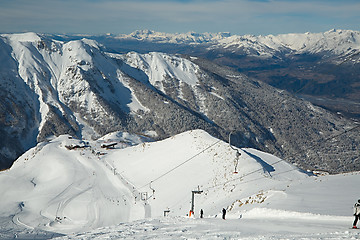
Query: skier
(201, 213)
(356, 213)
(223, 213)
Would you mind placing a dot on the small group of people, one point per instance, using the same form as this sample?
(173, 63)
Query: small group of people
(202, 213)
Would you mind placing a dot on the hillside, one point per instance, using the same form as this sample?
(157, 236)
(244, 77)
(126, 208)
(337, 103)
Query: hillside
(52, 87)
(66, 186)
(323, 67)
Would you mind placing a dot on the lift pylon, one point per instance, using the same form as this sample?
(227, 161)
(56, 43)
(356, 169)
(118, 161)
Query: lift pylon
(193, 199)
(238, 154)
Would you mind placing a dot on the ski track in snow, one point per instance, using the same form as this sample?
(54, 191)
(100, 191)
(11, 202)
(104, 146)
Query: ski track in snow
(136, 193)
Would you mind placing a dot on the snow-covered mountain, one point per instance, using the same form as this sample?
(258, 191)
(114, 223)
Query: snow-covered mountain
(337, 42)
(342, 43)
(322, 67)
(52, 87)
(121, 185)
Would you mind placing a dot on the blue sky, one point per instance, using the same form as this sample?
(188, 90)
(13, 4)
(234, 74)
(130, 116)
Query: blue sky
(258, 17)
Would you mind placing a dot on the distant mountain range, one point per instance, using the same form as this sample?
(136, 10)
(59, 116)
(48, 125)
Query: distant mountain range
(338, 45)
(53, 85)
(320, 67)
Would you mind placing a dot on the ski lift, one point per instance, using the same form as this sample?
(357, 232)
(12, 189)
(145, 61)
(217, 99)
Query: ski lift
(144, 196)
(238, 154)
(166, 212)
(153, 190)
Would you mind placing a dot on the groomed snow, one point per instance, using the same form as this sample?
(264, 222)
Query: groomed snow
(87, 191)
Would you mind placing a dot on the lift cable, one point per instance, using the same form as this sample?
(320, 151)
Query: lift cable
(281, 160)
(346, 131)
(179, 165)
(251, 180)
(238, 154)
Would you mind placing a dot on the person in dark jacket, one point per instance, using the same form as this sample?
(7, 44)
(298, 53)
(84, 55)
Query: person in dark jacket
(223, 213)
(356, 213)
(201, 213)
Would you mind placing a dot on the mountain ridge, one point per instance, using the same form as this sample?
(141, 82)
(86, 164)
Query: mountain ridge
(77, 88)
(335, 40)
(319, 65)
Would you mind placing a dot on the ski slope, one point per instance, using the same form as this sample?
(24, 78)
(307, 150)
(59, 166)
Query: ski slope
(119, 186)
(215, 228)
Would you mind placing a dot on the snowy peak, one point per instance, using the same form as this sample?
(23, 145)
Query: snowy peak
(23, 37)
(44, 65)
(41, 79)
(337, 42)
